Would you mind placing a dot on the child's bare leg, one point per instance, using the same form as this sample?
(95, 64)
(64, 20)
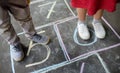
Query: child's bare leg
(98, 15)
(81, 14)
(99, 29)
(81, 26)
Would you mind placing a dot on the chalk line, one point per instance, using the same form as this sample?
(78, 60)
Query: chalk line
(31, 43)
(111, 27)
(29, 48)
(99, 50)
(81, 44)
(69, 8)
(48, 16)
(103, 63)
(52, 23)
(83, 56)
(48, 54)
(52, 11)
(61, 42)
(82, 67)
(56, 66)
(53, 67)
(46, 4)
(12, 63)
(36, 1)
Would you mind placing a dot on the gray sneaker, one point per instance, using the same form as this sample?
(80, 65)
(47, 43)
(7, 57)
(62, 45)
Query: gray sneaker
(40, 39)
(17, 52)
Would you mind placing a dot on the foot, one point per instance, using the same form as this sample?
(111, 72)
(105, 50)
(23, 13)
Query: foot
(40, 39)
(83, 31)
(99, 30)
(17, 52)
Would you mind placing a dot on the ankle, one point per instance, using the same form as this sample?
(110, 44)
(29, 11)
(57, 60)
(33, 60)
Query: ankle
(14, 44)
(81, 22)
(96, 21)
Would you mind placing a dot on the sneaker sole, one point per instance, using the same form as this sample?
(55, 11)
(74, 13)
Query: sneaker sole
(46, 42)
(20, 59)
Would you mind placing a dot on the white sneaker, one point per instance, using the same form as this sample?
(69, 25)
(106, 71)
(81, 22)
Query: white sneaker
(17, 52)
(83, 31)
(99, 30)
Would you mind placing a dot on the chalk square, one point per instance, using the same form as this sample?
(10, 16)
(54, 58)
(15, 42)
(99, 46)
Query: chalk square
(67, 30)
(112, 59)
(39, 13)
(38, 53)
(91, 65)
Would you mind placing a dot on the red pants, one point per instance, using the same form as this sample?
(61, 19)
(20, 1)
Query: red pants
(94, 5)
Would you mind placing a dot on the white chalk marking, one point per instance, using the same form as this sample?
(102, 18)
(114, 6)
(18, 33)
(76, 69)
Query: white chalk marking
(36, 1)
(52, 11)
(29, 48)
(83, 56)
(111, 27)
(46, 4)
(81, 44)
(12, 63)
(100, 50)
(52, 23)
(103, 63)
(48, 54)
(69, 8)
(48, 16)
(31, 43)
(61, 43)
(82, 67)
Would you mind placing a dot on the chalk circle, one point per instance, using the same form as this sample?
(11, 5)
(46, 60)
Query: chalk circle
(48, 54)
(83, 44)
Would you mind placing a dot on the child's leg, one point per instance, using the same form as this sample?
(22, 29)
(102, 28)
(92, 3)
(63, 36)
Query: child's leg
(98, 15)
(22, 14)
(81, 26)
(8, 33)
(99, 29)
(81, 14)
(6, 29)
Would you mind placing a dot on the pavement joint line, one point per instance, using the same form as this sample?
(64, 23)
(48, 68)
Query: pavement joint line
(52, 23)
(36, 1)
(111, 27)
(51, 10)
(78, 58)
(103, 63)
(61, 43)
(82, 67)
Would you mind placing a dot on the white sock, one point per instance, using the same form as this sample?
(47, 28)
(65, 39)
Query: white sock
(81, 22)
(96, 21)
